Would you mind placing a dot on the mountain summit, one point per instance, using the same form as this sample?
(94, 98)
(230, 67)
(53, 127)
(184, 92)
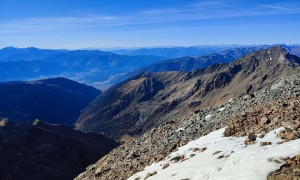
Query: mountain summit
(277, 53)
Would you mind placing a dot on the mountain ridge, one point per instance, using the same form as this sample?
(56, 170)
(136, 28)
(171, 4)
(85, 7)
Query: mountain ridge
(55, 100)
(187, 63)
(181, 93)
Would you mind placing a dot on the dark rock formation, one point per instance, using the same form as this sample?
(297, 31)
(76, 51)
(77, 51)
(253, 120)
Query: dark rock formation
(43, 151)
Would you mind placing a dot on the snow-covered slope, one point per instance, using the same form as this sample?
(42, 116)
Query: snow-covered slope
(217, 157)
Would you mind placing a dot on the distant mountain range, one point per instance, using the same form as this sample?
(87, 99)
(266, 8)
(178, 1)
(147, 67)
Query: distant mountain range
(103, 69)
(173, 52)
(187, 64)
(40, 150)
(89, 66)
(56, 100)
(195, 51)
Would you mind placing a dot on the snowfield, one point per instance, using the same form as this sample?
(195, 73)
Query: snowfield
(225, 158)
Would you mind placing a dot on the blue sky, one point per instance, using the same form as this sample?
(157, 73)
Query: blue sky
(73, 24)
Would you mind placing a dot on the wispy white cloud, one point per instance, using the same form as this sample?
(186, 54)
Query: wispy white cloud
(200, 11)
(284, 5)
(274, 7)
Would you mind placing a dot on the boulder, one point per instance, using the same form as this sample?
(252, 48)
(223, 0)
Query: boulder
(265, 143)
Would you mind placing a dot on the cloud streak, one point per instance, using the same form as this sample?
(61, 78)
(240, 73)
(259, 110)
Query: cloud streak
(274, 7)
(196, 12)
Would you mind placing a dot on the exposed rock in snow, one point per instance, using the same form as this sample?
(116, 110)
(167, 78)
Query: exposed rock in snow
(234, 160)
(290, 170)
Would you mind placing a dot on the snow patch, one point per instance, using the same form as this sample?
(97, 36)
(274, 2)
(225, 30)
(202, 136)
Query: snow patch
(276, 86)
(180, 129)
(225, 158)
(221, 109)
(208, 117)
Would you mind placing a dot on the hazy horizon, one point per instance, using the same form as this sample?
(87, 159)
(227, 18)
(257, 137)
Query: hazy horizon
(153, 47)
(80, 24)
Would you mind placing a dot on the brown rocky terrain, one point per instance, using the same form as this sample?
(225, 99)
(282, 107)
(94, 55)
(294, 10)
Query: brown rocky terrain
(264, 118)
(254, 94)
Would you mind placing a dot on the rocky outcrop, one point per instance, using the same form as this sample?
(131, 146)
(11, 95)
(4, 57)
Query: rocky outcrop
(264, 118)
(289, 171)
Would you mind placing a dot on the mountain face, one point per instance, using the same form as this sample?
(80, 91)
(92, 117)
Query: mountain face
(251, 103)
(134, 106)
(90, 66)
(43, 151)
(119, 106)
(56, 100)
